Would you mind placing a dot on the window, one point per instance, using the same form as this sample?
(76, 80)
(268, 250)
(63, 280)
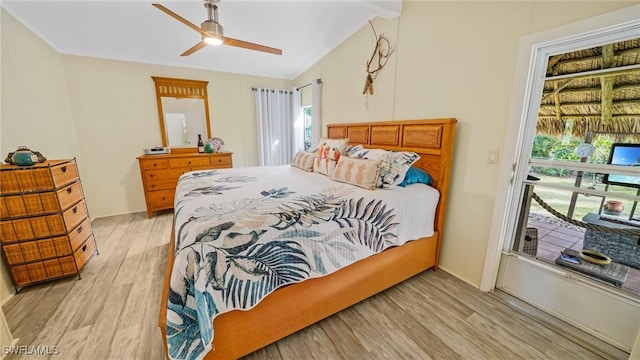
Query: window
(307, 127)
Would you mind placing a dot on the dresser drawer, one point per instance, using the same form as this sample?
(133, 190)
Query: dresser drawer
(223, 161)
(84, 252)
(14, 206)
(75, 215)
(162, 199)
(189, 162)
(78, 235)
(29, 229)
(150, 164)
(70, 195)
(161, 184)
(167, 174)
(64, 173)
(46, 176)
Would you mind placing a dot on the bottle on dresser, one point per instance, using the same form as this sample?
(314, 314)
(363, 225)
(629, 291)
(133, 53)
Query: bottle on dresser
(200, 144)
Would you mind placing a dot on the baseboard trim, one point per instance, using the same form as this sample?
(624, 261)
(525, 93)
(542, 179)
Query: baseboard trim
(567, 330)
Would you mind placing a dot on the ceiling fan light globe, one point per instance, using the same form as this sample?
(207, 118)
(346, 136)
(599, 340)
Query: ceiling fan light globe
(213, 41)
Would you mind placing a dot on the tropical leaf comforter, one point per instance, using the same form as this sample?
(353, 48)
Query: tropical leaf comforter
(242, 233)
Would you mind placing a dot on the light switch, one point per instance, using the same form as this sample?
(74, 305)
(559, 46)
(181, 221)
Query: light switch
(493, 156)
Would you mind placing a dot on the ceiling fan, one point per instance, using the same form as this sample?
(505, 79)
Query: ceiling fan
(212, 33)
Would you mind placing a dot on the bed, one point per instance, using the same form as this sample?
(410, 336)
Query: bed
(240, 332)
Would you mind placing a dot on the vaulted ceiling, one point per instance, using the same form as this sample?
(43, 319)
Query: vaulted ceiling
(136, 31)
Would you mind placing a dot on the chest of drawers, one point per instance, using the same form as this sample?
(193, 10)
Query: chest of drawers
(45, 230)
(160, 174)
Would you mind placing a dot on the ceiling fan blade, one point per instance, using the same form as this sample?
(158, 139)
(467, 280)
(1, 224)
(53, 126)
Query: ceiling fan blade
(195, 48)
(181, 19)
(251, 46)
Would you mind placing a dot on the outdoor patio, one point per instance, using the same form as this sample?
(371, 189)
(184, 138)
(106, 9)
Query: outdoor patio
(555, 235)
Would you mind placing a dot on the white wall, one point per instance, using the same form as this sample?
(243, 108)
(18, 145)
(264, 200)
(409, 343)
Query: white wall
(452, 59)
(115, 112)
(104, 113)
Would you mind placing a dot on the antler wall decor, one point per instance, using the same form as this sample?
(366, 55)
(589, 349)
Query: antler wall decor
(381, 54)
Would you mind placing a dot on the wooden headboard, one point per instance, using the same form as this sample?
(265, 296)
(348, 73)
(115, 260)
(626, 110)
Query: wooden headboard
(432, 139)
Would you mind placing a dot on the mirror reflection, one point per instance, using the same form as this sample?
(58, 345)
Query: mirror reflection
(183, 111)
(184, 120)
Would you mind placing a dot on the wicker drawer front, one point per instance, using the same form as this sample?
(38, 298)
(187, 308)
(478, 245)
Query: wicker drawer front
(222, 161)
(43, 270)
(84, 252)
(75, 215)
(29, 205)
(154, 164)
(29, 229)
(46, 176)
(13, 254)
(27, 180)
(161, 199)
(188, 162)
(78, 235)
(64, 174)
(36, 250)
(70, 195)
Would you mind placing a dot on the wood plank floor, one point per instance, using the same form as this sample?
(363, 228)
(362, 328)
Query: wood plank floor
(111, 313)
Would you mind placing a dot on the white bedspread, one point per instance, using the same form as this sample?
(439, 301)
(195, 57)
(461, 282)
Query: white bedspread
(242, 233)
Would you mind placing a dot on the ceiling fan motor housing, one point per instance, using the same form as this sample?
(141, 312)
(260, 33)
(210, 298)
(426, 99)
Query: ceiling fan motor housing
(213, 28)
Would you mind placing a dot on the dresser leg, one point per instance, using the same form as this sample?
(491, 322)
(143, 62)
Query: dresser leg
(149, 214)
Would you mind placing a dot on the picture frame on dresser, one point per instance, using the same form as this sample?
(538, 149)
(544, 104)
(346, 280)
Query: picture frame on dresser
(160, 174)
(45, 229)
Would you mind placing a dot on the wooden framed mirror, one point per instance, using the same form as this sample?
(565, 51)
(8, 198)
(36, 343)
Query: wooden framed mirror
(183, 109)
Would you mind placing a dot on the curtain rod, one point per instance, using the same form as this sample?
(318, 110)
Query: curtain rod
(319, 81)
(273, 90)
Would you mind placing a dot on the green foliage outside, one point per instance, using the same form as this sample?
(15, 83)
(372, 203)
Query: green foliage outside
(550, 148)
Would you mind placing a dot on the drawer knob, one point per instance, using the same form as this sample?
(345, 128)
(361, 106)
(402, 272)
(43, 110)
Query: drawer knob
(84, 248)
(75, 210)
(163, 198)
(79, 229)
(150, 175)
(219, 160)
(153, 186)
(69, 191)
(189, 162)
(63, 169)
(154, 164)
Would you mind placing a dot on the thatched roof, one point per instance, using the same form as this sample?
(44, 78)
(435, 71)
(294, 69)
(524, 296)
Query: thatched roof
(579, 96)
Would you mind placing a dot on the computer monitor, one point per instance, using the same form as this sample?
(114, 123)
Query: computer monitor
(624, 155)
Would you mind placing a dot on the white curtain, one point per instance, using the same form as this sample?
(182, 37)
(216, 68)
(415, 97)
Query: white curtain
(274, 124)
(298, 120)
(316, 113)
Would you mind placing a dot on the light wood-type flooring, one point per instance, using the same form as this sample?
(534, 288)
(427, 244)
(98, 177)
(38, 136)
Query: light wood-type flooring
(111, 313)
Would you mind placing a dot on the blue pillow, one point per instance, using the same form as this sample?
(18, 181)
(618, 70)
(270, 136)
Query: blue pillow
(415, 176)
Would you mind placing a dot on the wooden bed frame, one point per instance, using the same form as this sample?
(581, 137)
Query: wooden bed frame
(239, 333)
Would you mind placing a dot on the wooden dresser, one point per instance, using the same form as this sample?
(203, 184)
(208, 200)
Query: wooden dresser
(160, 174)
(45, 230)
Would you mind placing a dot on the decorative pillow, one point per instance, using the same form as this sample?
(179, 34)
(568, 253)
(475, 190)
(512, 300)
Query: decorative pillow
(303, 160)
(325, 160)
(351, 149)
(393, 166)
(416, 176)
(359, 172)
(399, 164)
(339, 144)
